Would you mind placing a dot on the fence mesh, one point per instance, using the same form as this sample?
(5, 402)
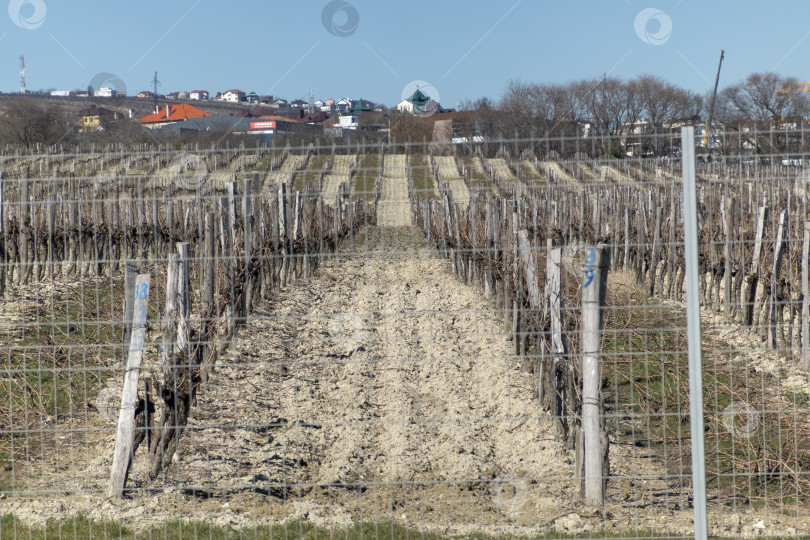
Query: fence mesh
(395, 339)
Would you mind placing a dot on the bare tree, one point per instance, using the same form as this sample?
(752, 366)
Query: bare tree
(753, 107)
(662, 103)
(27, 122)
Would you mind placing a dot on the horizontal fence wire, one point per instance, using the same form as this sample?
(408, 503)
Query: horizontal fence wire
(402, 338)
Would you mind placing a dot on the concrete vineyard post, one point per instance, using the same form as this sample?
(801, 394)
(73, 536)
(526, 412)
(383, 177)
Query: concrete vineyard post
(593, 300)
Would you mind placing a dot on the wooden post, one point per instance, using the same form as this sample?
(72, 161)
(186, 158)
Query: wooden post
(225, 226)
(155, 226)
(232, 191)
(524, 247)
(4, 256)
(25, 224)
(626, 238)
(207, 294)
(593, 301)
(727, 300)
(559, 350)
(184, 300)
(247, 219)
(170, 314)
(130, 275)
(129, 397)
(51, 218)
(655, 247)
(282, 230)
(806, 298)
(209, 253)
(753, 278)
(773, 311)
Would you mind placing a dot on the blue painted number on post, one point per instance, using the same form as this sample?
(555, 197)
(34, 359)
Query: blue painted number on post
(142, 292)
(140, 320)
(590, 261)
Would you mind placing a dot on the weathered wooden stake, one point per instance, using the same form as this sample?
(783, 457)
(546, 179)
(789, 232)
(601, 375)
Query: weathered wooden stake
(806, 298)
(130, 275)
(129, 397)
(773, 311)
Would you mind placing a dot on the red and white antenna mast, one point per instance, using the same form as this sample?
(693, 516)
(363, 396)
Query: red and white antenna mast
(22, 75)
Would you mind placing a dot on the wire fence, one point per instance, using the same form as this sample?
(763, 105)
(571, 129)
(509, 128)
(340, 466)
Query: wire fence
(386, 340)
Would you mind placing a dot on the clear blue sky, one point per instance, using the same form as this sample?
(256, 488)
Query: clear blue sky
(464, 49)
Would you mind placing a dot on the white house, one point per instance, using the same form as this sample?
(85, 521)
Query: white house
(344, 105)
(198, 95)
(235, 96)
(104, 92)
(348, 122)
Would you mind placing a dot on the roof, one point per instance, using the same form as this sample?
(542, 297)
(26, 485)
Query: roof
(180, 112)
(275, 117)
(198, 92)
(316, 117)
(418, 98)
(254, 112)
(233, 92)
(216, 123)
(361, 106)
(423, 104)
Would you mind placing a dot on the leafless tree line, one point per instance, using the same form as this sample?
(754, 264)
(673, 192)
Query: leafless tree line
(647, 111)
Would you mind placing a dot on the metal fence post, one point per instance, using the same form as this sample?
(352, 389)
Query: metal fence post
(693, 330)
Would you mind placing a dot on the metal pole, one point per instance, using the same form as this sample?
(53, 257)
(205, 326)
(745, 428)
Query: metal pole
(693, 330)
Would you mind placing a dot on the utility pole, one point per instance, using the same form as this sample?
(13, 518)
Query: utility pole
(155, 83)
(22, 74)
(705, 142)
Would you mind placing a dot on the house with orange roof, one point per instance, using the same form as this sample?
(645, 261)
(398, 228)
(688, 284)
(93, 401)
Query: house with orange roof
(171, 114)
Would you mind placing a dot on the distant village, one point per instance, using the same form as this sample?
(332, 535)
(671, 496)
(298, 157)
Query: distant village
(183, 112)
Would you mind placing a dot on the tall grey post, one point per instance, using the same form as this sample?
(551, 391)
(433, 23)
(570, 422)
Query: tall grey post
(593, 301)
(693, 330)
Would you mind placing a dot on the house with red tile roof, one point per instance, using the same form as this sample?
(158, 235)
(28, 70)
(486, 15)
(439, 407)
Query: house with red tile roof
(170, 114)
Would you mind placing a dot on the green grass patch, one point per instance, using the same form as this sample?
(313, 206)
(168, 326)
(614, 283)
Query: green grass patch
(476, 178)
(365, 180)
(55, 362)
(753, 435)
(79, 527)
(530, 173)
(422, 174)
(310, 174)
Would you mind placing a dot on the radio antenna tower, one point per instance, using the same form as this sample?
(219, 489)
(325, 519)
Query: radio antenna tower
(310, 108)
(22, 74)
